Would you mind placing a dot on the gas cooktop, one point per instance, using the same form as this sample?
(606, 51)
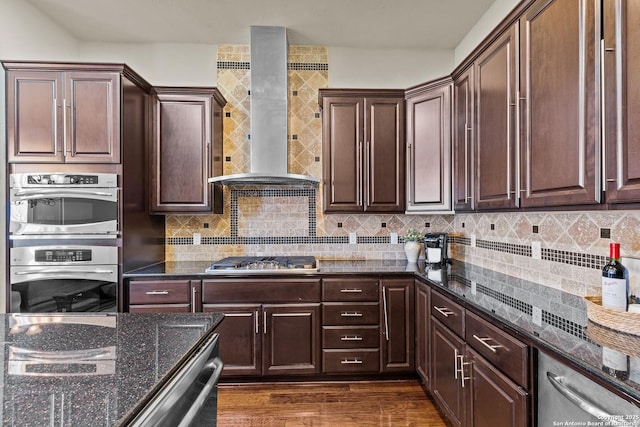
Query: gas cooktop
(264, 264)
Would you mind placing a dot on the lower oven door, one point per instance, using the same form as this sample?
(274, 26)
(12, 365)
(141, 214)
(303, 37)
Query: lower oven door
(50, 288)
(190, 396)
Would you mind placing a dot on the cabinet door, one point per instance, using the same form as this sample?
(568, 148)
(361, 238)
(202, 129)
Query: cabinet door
(181, 156)
(446, 352)
(342, 150)
(560, 45)
(398, 325)
(463, 141)
(423, 333)
(496, 160)
(509, 402)
(240, 338)
(291, 339)
(622, 100)
(384, 158)
(429, 149)
(92, 116)
(35, 125)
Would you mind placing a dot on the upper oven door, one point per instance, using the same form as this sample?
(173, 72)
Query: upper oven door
(63, 212)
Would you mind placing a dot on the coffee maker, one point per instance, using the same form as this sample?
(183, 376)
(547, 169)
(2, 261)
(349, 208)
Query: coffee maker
(435, 248)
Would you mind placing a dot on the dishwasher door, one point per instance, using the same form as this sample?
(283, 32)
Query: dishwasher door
(566, 397)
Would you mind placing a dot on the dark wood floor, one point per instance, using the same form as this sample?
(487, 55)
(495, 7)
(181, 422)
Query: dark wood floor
(335, 404)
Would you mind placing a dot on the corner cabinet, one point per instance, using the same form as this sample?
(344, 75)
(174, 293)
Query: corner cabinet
(429, 147)
(397, 324)
(64, 112)
(187, 150)
(621, 100)
(363, 150)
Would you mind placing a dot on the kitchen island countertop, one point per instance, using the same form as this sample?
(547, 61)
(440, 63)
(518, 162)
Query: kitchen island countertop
(104, 367)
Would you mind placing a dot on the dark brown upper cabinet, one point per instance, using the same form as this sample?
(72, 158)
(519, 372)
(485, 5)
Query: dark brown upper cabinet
(63, 113)
(463, 125)
(559, 85)
(496, 160)
(429, 147)
(187, 150)
(621, 100)
(363, 150)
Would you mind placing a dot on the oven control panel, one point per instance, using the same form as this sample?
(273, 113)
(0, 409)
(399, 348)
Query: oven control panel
(62, 255)
(60, 179)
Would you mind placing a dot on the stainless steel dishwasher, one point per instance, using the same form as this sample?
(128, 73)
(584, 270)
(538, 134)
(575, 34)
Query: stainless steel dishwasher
(566, 397)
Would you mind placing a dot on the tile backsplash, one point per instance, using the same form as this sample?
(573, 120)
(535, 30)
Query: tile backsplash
(564, 250)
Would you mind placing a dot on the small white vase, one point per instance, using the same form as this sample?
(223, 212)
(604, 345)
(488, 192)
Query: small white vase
(412, 251)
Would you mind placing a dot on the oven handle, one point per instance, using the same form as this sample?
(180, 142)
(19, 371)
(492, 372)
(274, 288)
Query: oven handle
(579, 400)
(217, 365)
(63, 271)
(58, 193)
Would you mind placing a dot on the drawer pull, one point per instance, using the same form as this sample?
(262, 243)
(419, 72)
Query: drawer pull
(348, 314)
(351, 362)
(157, 292)
(483, 341)
(444, 311)
(351, 291)
(353, 338)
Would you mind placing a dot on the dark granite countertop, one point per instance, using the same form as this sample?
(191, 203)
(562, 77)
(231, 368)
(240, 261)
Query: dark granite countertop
(564, 328)
(107, 366)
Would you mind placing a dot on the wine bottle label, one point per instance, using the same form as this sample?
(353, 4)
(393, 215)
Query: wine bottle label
(614, 293)
(614, 359)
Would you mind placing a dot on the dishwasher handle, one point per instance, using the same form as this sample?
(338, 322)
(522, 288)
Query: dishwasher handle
(579, 400)
(217, 365)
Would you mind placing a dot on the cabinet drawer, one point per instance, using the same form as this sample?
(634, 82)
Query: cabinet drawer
(350, 361)
(503, 351)
(160, 292)
(350, 290)
(350, 337)
(263, 290)
(160, 308)
(448, 312)
(338, 313)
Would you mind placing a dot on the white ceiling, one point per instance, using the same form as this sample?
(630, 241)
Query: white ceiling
(389, 24)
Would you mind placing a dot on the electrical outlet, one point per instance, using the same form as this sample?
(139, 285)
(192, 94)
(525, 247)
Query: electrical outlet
(394, 238)
(196, 238)
(473, 240)
(536, 314)
(536, 250)
(353, 239)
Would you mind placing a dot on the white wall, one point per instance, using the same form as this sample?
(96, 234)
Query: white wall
(491, 18)
(392, 69)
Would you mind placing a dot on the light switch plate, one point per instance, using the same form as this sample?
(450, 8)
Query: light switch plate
(353, 239)
(536, 314)
(473, 240)
(474, 289)
(536, 250)
(196, 238)
(394, 238)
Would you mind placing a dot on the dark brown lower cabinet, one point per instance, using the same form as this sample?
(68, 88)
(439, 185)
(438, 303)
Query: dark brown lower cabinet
(163, 296)
(397, 325)
(423, 333)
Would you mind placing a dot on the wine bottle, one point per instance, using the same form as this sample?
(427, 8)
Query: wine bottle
(615, 281)
(615, 363)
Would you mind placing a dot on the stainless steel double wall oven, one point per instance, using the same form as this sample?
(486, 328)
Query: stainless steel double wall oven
(63, 229)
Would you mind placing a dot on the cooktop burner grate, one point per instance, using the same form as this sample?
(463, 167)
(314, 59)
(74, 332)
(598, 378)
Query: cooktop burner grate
(265, 264)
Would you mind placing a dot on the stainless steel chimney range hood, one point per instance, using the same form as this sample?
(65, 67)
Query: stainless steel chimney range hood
(269, 121)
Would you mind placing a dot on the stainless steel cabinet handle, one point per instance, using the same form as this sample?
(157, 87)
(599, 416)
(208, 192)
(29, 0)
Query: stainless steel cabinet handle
(444, 311)
(257, 322)
(483, 341)
(349, 314)
(351, 362)
(264, 324)
(386, 316)
(579, 400)
(157, 292)
(194, 295)
(455, 363)
(353, 338)
(351, 291)
(462, 365)
(217, 365)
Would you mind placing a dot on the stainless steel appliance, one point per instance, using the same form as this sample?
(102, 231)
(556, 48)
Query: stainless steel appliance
(435, 248)
(190, 396)
(63, 205)
(566, 397)
(264, 264)
(64, 278)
